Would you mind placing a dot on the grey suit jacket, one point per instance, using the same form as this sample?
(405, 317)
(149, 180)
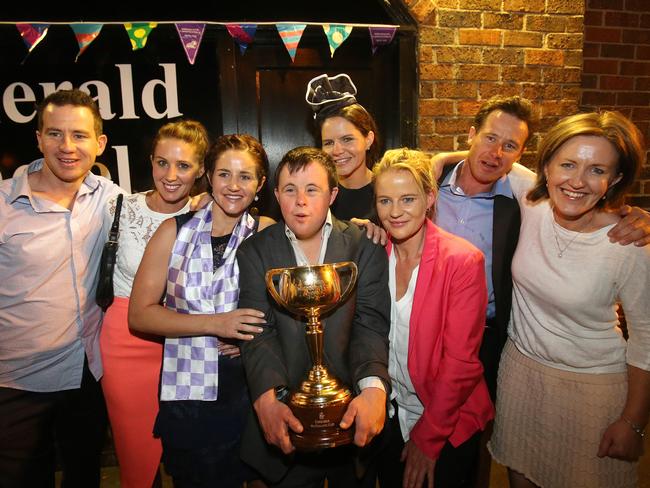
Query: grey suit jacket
(355, 333)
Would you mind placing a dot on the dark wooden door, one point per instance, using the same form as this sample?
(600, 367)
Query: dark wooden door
(263, 92)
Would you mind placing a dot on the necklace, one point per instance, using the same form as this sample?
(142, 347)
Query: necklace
(561, 250)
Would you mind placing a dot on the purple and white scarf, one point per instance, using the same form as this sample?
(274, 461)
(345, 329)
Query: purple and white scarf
(190, 369)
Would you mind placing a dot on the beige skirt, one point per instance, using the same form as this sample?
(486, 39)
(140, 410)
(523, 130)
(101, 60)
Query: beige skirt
(549, 423)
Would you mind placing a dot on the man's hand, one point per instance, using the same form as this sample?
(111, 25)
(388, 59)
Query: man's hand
(368, 412)
(634, 227)
(418, 467)
(620, 442)
(276, 419)
(373, 231)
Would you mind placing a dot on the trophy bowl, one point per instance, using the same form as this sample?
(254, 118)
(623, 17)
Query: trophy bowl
(321, 400)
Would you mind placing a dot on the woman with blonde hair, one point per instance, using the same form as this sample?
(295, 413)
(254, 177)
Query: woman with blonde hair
(573, 393)
(132, 361)
(439, 297)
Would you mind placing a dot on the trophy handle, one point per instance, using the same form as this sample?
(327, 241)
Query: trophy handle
(353, 278)
(270, 286)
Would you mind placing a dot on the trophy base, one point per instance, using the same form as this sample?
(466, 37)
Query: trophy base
(320, 427)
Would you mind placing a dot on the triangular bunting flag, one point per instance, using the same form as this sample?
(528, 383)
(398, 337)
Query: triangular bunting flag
(381, 36)
(85, 34)
(336, 35)
(243, 34)
(191, 35)
(139, 32)
(32, 34)
(291, 34)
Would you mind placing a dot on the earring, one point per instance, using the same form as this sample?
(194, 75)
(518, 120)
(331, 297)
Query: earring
(604, 197)
(256, 198)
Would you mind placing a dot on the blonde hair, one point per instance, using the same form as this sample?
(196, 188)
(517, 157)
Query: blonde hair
(415, 162)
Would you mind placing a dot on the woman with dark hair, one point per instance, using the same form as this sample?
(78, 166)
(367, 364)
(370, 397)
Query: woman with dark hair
(203, 395)
(349, 134)
(573, 394)
(132, 361)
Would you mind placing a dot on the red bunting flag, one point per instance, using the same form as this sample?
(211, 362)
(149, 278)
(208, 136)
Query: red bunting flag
(243, 34)
(32, 34)
(191, 35)
(85, 34)
(290, 35)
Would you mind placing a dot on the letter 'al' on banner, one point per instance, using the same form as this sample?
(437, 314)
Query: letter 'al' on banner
(381, 36)
(290, 35)
(85, 34)
(32, 34)
(336, 35)
(191, 35)
(243, 34)
(139, 32)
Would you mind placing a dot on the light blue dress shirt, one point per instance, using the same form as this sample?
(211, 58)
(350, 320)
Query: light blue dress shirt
(470, 217)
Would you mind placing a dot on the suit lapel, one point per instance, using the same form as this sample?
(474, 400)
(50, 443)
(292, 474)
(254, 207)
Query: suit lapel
(338, 244)
(504, 216)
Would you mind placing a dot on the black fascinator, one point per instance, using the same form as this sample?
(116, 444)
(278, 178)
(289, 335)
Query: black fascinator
(327, 94)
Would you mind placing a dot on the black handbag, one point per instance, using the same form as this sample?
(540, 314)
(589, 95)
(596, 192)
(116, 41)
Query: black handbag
(104, 295)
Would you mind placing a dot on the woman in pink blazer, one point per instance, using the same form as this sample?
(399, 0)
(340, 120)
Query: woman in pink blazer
(440, 402)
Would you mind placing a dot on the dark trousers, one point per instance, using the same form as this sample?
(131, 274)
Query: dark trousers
(310, 470)
(455, 467)
(34, 426)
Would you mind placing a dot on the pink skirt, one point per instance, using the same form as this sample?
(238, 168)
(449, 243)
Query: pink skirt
(130, 383)
(549, 424)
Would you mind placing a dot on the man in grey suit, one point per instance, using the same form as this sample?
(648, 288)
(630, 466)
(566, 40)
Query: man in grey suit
(355, 338)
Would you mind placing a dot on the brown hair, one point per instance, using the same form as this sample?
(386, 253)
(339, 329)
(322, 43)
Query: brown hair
(299, 157)
(516, 106)
(74, 97)
(238, 142)
(187, 130)
(612, 126)
(362, 120)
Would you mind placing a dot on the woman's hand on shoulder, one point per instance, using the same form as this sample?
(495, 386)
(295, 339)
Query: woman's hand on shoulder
(200, 200)
(265, 222)
(373, 231)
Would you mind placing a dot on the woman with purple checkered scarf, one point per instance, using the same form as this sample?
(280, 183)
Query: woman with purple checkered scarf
(204, 399)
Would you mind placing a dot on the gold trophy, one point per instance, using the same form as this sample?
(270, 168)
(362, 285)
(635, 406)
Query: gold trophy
(321, 400)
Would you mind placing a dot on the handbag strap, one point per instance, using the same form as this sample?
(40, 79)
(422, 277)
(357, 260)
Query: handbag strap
(112, 235)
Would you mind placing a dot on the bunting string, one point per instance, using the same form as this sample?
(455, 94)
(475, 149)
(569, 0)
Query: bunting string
(191, 34)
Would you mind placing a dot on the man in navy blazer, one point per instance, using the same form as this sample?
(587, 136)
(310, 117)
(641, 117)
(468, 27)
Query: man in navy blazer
(355, 334)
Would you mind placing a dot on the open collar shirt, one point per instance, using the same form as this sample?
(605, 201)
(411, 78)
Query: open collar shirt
(470, 217)
(49, 260)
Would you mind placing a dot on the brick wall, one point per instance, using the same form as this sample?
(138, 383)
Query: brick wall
(470, 50)
(616, 71)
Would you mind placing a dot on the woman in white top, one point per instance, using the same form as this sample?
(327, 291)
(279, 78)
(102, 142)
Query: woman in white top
(132, 361)
(574, 394)
(439, 296)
